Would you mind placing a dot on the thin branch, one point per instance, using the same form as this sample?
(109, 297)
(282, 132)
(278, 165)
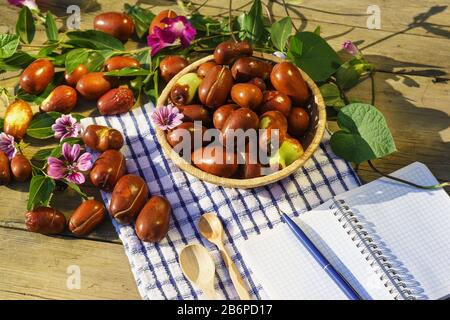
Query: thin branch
(438, 186)
(372, 80)
(230, 20)
(269, 15)
(287, 13)
(199, 6)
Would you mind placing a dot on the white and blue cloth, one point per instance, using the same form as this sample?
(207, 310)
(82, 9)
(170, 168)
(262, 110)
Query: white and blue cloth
(244, 213)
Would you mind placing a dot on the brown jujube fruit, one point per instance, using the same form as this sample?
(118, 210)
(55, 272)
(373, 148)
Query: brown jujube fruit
(251, 168)
(260, 83)
(242, 118)
(62, 99)
(276, 125)
(156, 22)
(276, 101)
(21, 168)
(45, 220)
(86, 217)
(246, 95)
(246, 68)
(171, 65)
(152, 224)
(108, 169)
(116, 24)
(286, 78)
(204, 68)
(5, 172)
(93, 85)
(128, 198)
(222, 113)
(177, 135)
(121, 62)
(215, 87)
(18, 117)
(116, 101)
(101, 138)
(77, 73)
(224, 164)
(36, 77)
(298, 122)
(230, 50)
(195, 112)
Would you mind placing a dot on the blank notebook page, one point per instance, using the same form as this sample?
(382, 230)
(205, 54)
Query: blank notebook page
(414, 224)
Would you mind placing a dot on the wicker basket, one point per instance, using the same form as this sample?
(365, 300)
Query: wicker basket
(310, 141)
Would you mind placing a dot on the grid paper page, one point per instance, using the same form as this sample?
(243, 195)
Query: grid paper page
(413, 224)
(330, 237)
(285, 269)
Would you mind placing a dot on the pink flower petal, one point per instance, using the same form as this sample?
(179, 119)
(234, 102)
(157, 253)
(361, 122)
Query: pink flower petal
(76, 177)
(159, 39)
(70, 153)
(84, 162)
(56, 168)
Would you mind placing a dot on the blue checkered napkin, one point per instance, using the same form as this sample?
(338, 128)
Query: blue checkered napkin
(244, 213)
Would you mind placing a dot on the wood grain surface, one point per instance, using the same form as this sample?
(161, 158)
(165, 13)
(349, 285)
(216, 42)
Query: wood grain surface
(411, 52)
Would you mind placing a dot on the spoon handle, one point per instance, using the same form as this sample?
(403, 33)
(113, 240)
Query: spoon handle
(235, 275)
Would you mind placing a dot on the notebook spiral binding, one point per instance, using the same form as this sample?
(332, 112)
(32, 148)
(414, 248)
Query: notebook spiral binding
(393, 278)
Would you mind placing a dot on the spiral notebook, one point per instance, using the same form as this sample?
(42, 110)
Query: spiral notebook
(389, 240)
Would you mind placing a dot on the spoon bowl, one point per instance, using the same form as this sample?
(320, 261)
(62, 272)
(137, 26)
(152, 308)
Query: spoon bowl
(198, 267)
(211, 227)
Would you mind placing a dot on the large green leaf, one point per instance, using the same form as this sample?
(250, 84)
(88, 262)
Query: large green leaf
(364, 134)
(41, 191)
(41, 125)
(51, 30)
(280, 32)
(25, 26)
(141, 17)
(316, 58)
(252, 23)
(76, 57)
(94, 39)
(8, 45)
(332, 95)
(18, 60)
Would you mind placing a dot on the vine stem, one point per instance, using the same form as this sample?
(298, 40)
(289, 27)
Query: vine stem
(287, 13)
(437, 186)
(372, 81)
(230, 20)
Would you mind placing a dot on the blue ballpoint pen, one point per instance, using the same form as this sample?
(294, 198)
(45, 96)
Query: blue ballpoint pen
(318, 256)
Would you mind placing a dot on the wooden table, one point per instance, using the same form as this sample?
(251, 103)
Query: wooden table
(411, 52)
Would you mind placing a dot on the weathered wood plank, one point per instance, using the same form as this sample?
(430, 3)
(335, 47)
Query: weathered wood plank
(35, 267)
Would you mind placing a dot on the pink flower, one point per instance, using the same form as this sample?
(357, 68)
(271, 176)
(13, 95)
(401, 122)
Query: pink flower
(167, 117)
(8, 145)
(177, 28)
(181, 28)
(31, 4)
(350, 47)
(159, 39)
(72, 166)
(66, 126)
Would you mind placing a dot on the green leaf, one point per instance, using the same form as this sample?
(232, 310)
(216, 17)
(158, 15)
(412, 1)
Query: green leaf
(317, 58)
(18, 60)
(144, 58)
(47, 51)
(8, 45)
(76, 57)
(252, 23)
(51, 30)
(348, 75)
(280, 32)
(128, 72)
(42, 154)
(41, 126)
(332, 95)
(364, 134)
(41, 191)
(25, 26)
(94, 39)
(317, 30)
(96, 60)
(141, 18)
(295, 49)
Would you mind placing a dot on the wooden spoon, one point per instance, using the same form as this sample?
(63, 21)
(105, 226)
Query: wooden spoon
(211, 228)
(198, 266)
